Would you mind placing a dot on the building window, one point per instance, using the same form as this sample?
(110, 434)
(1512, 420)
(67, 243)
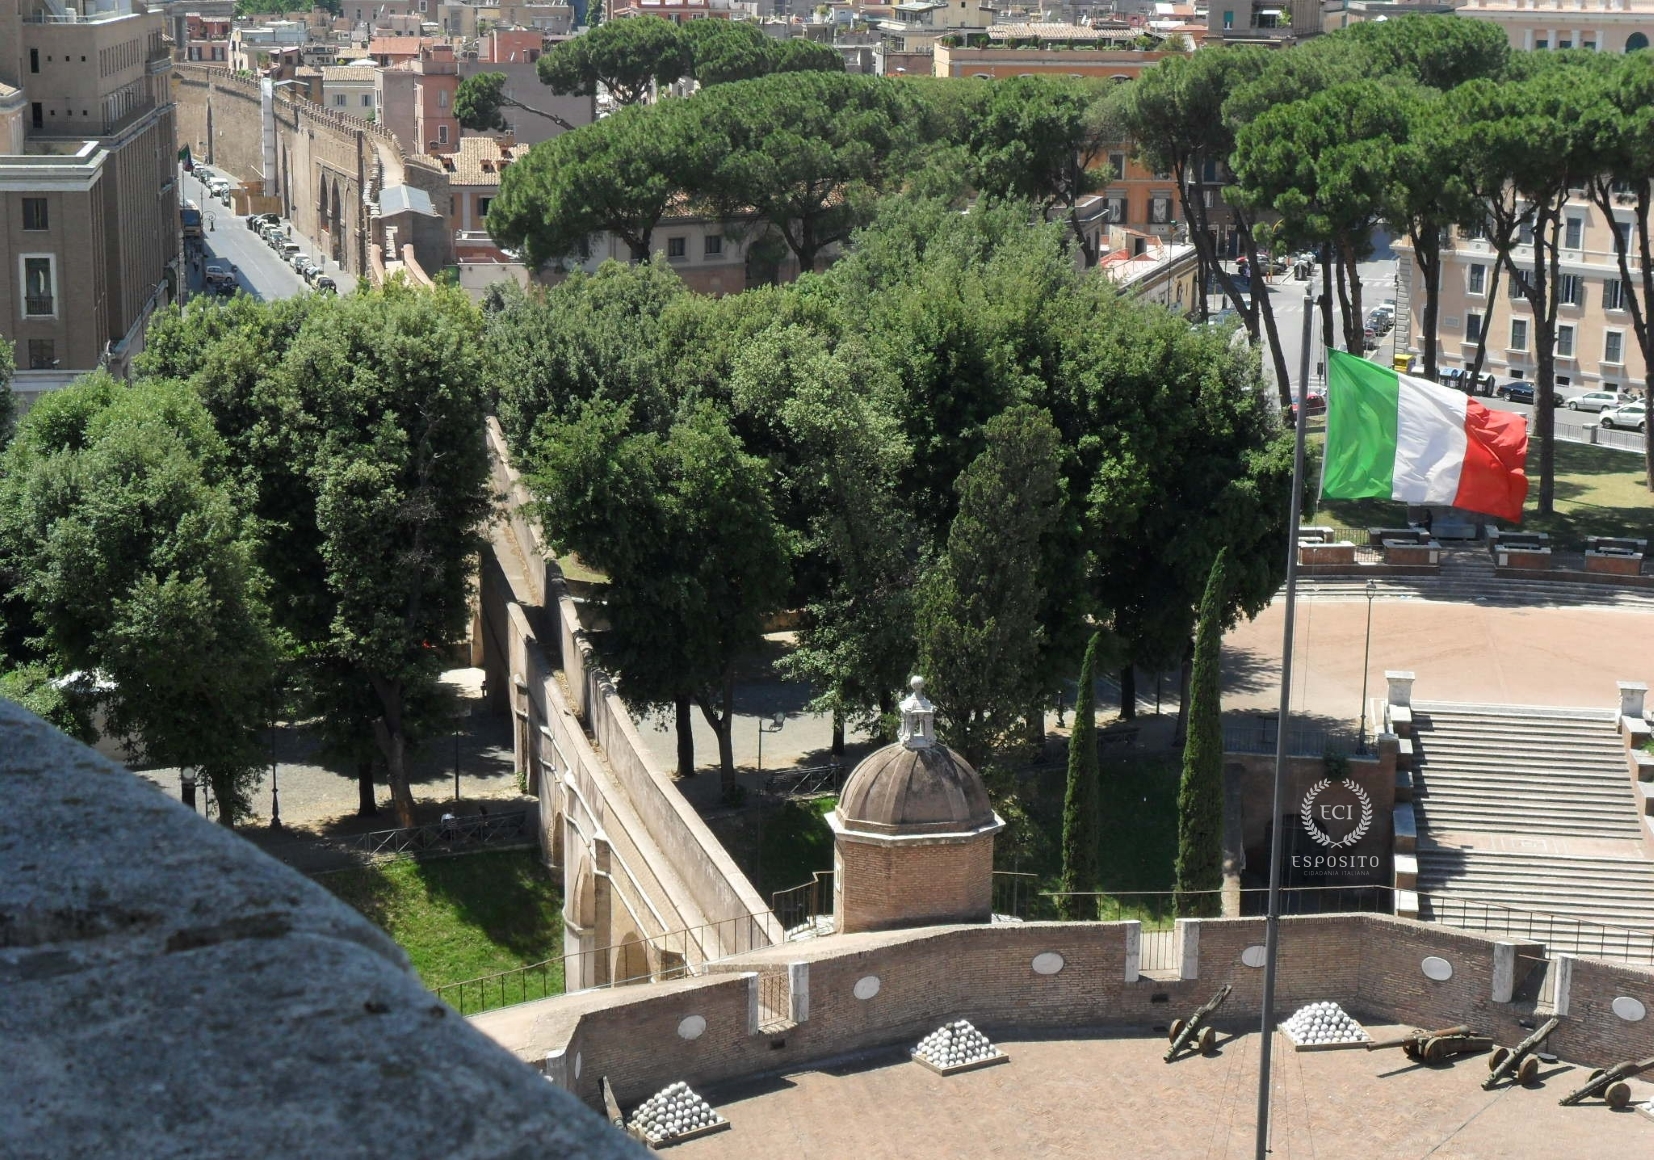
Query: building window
(714, 246)
(1588, 45)
(367, 100)
(1474, 232)
(1569, 43)
(39, 286)
(482, 206)
(1228, 20)
(1524, 234)
(1573, 234)
(1117, 162)
(1519, 334)
(42, 354)
(675, 247)
(1613, 347)
(1636, 42)
(1564, 341)
(1478, 279)
(339, 100)
(1622, 237)
(35, 214)
(442, 98)
(1115, 210)
(1472, 326)
(1563, 381)
(442, 134)
(1570, 290)
(1613, 294)
(1160, 209)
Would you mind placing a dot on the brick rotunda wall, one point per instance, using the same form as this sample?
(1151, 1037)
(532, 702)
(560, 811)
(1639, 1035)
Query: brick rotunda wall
(886, 885)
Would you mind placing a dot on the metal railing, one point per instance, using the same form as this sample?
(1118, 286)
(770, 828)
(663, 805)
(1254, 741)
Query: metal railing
(674, 954)
(806, 781)
(1260, 737)
(473, 831)
(1160, 909)
(1016, 893)
(799, 906)
(1559, 933)
(37, 304)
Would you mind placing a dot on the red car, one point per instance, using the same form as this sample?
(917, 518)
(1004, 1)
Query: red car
(1313, 405)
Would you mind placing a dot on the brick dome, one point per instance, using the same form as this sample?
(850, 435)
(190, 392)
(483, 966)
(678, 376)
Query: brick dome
(904, 789)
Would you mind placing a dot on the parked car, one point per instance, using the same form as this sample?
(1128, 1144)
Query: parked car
(298, 261)
(312, 272)
(326, 285)
(288, 251)
(1521, 391)
(1313, 405)
(1631, 417)
(1598, 401)
(258, 221)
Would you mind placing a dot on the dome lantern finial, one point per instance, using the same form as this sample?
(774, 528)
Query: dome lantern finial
(918, 729)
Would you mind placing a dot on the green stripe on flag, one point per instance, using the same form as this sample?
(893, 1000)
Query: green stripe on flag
(1363, 400)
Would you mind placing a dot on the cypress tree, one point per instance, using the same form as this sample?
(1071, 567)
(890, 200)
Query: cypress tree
(1080, 804)
(1200, 795)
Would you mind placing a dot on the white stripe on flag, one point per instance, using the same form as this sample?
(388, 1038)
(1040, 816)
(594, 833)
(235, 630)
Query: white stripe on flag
(1430, 442)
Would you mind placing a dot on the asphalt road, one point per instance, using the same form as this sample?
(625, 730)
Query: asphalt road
(259, 272)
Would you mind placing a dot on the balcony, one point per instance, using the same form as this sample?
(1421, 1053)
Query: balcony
(38, 306)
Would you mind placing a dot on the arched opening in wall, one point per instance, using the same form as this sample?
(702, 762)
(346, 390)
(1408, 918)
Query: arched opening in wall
(581, 908)
(336, 233)
(1636, 41)
(207, 152)
(631, 962)
(321, 199)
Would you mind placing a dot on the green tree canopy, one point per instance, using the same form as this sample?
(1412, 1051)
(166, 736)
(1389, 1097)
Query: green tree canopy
(618, 175)
(806, 153)
(624, 57)
(119, 518)
(978, 606)
(1200, 794)
(682, 525)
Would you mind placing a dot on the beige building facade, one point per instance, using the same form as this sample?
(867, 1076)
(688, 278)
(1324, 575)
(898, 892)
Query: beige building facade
(1594, 25)
(89, 231)
(1596, 345)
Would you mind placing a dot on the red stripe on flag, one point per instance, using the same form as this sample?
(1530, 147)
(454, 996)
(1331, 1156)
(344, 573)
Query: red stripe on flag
(1493, 480)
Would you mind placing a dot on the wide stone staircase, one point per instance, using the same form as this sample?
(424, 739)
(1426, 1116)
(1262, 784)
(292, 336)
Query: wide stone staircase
(1529, 810)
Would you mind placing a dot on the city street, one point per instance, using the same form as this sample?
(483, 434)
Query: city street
(259, 272)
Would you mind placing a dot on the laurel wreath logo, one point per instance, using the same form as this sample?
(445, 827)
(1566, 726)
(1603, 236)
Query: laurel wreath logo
(1307, 813)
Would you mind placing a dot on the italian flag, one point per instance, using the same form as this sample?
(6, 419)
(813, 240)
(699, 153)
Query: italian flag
(1391, 436)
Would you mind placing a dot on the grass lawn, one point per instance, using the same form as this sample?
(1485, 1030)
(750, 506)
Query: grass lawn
(794, 844)
(1599, 492)
(463, 917)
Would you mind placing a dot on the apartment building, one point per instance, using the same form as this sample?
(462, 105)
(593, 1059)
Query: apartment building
(1595, 25)
(1268, 22)
(349, 89)
(206, 39)
(89, 235)
(1596, 348)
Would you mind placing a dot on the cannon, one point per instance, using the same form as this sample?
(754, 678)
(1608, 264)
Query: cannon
(1434, 1046)
(1609, 1083)
(1195, 1028)
(1519, 1062)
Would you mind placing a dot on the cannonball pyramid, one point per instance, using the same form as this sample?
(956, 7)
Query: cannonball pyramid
(956, 1046)
(674, 1113)
(1323, 1024)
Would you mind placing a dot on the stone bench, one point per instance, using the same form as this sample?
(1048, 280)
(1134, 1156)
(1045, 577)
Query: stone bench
(1614, 555)
(1378, 537)
(1313, 553)
(1414, 552)
(1524, 559)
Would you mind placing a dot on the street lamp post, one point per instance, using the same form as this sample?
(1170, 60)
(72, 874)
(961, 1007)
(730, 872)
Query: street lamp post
(456, 760)
(1366, 657)
(776, 721)
(275, 791)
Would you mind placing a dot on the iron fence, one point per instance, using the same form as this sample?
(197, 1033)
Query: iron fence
(450, 835)
(775, 995)
(671, 954)
(1160, 909)
(1559, 933)
(798, 907)
(806, 781)
(1260, 735)
(1016, 894)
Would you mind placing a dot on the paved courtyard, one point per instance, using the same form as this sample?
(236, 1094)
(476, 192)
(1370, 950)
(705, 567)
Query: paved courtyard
(1112, 1096)
(1460, 652)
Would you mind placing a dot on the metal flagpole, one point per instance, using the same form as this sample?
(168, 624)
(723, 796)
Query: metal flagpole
(1272, 929)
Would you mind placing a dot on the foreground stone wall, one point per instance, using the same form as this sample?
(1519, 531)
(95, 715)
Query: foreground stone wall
(1369, 963)
(171, 991)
